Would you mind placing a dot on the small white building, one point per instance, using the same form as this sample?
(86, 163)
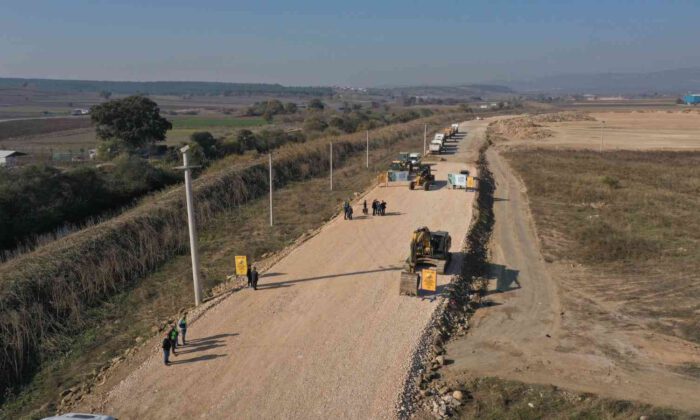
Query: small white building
(9, 157)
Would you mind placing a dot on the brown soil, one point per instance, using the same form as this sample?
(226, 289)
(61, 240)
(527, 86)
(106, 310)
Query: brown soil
(639, 130)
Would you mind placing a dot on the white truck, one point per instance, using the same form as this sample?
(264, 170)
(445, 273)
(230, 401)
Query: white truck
(455, 128)
(435, 147)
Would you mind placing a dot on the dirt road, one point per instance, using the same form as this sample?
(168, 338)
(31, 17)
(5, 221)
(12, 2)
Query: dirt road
(544, 329)
(326, 335)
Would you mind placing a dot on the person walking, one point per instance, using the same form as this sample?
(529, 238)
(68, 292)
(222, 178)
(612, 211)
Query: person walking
(173, 339)
(166, 350)
(182, 323)
(382, 208)
(250, 279)
(374, 207)
(364, 208)
(350, 211)
(254, 277)
(346, 206)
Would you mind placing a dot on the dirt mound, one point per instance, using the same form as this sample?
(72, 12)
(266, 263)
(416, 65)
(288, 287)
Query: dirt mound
(519, 129)
(563, 117)
(531, 128)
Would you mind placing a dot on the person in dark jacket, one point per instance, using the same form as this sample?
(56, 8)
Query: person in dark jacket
(374, 207)
(173, 338)
(382, 208)
(250, 278)
(166, 349)
(254, 278)
(364, 208)
(350, 213)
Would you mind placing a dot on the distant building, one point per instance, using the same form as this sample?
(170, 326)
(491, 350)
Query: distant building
(692, 99)
(9, 157)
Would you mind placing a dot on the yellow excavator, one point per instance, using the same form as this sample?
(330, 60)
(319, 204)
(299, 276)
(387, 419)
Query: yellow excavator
(428, 250)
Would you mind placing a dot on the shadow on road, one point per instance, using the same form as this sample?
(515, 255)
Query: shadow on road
(438, 185)
(329, 276)
(506, 278)
(197, 359)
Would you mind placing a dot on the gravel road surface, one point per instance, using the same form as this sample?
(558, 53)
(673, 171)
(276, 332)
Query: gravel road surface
(326, 335)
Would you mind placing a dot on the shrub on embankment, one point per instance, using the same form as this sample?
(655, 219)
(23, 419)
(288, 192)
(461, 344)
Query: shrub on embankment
(44, 294)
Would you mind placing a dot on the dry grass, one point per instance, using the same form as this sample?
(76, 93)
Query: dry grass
(632, 218)
(48, 297)
(497, 399)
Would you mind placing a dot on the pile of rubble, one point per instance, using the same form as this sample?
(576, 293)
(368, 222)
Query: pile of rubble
(532, 128)
(563, 117)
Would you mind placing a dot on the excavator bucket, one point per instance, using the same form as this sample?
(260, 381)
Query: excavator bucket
(409, 284)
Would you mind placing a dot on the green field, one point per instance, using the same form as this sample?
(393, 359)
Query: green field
(210, 122)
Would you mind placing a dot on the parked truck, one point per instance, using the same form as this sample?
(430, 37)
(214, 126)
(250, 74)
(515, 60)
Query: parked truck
(435, 147)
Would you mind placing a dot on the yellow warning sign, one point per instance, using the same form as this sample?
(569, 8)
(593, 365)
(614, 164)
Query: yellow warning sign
(429, 280)
(471, 183)
(241, 265)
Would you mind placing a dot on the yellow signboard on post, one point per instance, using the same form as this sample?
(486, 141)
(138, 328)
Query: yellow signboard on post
(471, 183)
(241, 265)
(429, 280)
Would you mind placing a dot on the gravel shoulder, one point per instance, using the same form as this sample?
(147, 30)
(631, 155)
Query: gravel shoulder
(326, 335)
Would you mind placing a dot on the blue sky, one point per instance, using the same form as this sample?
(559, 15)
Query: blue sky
(358, 42)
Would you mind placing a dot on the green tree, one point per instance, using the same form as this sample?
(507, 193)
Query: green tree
(317, 104)
(246, 139)
(314, 123)
(274, 107)
(205, 140)
(135, 120)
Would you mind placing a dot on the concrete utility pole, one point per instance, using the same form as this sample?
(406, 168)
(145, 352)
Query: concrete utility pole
(602, 124)
(367, 148)
(191, 223)
(270, 189)
(425, 138)
(331, 162)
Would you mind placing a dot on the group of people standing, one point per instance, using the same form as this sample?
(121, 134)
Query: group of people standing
(378, 207)
(170, 339)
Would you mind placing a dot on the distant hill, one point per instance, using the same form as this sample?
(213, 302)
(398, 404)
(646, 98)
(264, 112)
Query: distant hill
(673, 82)
(162, 88)
(459, 91)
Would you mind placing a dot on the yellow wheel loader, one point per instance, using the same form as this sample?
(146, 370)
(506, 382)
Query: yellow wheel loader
(423, 179)
(428, 250)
